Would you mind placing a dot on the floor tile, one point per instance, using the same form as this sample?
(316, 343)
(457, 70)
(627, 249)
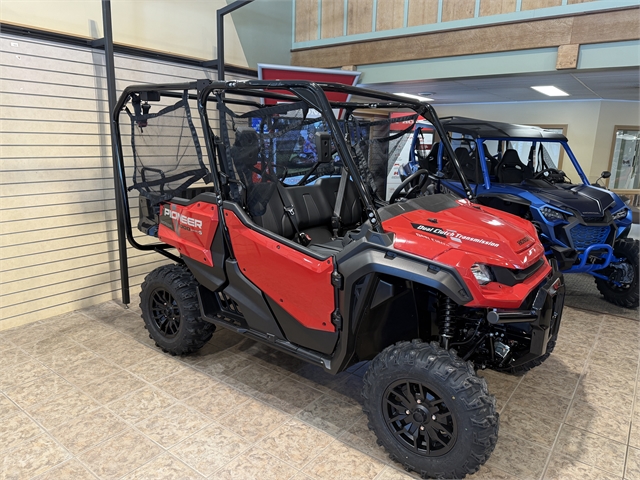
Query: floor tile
(58, 410)
(13, 356)
(21, 374)
(500, 385)
(119, 455)
(164, 467)
(252, 420)
(223, 364)
(350, 388)
(554, 406)
(88, 430)
(490, 473)
(210, 449)
(591, 449)
(296, 443)
(32, 458)
(554, 379)
(68, 357)
(255, 464)
(115, 386)
(69, 470)
(141, 404)
(317, 377)
(7, 407)
(17, 429)
(632, 470)
(340, 462)
(530, 423)
(156, 368)
(523, 459)
(562, 467)
(634, 436)
(172, 425)
(87, 372)
(28, 334)
(331, 414)
(216, 401)
(595, 418)
(185, 384)
(48, 345)
(390, 473)
(362, 438)
(255, 379)
(268, 357)
(104, 311)
(289, 395)
(39, 390)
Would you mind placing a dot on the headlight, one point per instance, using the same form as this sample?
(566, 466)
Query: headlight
(482, 273)
(551, 214)
(620, 214)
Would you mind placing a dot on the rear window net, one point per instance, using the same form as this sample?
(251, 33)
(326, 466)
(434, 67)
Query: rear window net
(166, 150)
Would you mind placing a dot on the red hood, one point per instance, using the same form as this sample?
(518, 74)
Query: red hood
(489, 236)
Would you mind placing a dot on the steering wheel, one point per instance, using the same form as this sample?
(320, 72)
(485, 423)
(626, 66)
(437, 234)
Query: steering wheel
(413, 191)
(548, 173)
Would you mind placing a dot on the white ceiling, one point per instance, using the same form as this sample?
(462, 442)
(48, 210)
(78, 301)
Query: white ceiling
(611, 84)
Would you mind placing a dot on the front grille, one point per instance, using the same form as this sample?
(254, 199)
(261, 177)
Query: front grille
(584, 235)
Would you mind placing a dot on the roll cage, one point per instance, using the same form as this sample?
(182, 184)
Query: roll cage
(252, 93)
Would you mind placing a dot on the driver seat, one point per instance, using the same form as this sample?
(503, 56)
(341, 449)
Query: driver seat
(510, 169)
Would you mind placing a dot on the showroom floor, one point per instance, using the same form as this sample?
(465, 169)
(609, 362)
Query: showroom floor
(86, 395)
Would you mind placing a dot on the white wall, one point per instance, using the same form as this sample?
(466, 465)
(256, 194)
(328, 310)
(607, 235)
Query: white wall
(182, 27)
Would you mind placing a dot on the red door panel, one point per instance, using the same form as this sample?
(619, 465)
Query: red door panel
(301, 284)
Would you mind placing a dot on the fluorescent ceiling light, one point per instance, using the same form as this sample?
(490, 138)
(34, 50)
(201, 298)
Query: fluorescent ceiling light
(415, 97)
(551, 91)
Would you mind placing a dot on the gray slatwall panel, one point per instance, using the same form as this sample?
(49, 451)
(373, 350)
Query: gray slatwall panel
(58, 245)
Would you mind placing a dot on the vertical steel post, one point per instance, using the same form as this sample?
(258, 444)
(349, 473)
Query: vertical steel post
(117, 179)
(220, 31)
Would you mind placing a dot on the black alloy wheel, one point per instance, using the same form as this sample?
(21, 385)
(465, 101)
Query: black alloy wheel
(419, 417)
(165, 312)
(430, 410)
(171, 312)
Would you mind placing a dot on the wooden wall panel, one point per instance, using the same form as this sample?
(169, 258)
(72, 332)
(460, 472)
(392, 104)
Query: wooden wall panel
(422, 12)
(359, 17)
(457, 9)
(389, 14)
(332, 18)
(306, 20)
(585, 28)
(58, 240)
(533, 4)
(496, 7)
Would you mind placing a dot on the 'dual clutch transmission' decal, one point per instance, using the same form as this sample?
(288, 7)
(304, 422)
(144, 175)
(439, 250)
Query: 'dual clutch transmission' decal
(453, 235)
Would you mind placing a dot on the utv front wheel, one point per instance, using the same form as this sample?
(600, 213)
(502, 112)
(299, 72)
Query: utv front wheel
(429, 410)
(169, 304)
(622, 286)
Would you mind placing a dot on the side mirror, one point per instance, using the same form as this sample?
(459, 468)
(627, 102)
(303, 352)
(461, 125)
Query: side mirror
(605, 174)
(323, 146)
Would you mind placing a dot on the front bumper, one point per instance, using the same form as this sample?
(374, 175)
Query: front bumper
(543, 316)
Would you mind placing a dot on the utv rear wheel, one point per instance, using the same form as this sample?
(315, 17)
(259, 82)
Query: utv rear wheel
(622, 287)
(169, 304)
(429, 410)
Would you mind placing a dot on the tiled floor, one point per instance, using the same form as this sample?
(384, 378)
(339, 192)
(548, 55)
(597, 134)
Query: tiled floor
(86, 395)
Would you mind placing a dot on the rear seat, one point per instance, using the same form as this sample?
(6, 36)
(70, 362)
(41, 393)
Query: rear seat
(313, 205)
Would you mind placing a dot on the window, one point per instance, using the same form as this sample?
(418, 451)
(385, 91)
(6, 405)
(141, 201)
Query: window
(624, 159)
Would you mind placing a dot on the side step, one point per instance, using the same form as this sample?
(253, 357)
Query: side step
(235, 324)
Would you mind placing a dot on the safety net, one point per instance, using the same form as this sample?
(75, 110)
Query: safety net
(166, 149)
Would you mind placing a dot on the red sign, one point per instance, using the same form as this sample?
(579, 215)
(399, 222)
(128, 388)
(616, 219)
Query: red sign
(322, 75)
